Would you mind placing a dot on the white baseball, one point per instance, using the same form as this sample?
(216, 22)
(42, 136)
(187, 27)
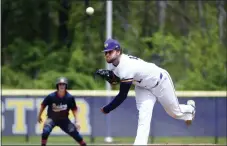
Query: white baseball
(89, 10)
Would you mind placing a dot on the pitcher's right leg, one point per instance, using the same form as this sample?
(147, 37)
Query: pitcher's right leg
(165, 94)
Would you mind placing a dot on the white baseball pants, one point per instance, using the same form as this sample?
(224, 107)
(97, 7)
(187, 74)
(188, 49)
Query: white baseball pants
(165, 94)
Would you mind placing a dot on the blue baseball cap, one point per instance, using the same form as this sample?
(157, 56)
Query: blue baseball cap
(111, 44)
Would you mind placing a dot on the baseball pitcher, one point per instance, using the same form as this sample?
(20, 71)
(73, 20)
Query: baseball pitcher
(152, 84)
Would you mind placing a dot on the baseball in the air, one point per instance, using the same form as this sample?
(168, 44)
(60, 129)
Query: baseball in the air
(89, 10)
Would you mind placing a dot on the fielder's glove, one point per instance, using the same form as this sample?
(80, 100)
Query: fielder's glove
(108, 75)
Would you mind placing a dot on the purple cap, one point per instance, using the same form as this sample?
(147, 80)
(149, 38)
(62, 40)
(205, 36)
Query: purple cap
(111, 44)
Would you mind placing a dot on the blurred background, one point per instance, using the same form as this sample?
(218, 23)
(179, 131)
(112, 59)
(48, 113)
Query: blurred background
(42, 40)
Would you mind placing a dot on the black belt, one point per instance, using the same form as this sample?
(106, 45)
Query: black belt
(158, 81)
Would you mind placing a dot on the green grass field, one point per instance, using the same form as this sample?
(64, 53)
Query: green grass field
(117, 140)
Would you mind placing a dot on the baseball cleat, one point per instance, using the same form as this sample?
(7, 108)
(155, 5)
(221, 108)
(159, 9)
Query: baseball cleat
(192, 103)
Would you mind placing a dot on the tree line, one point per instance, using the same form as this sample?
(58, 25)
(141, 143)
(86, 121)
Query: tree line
(42, 40)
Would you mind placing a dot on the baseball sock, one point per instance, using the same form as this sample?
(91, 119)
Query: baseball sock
(82, 143)
(43, 142)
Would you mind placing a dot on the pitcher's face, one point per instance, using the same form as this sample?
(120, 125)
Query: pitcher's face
(111, 55)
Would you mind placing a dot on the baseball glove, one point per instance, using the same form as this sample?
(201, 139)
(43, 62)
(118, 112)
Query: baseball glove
(108, 75)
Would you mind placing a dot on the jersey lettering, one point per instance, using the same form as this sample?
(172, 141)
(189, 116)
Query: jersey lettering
(58, 108)
(132, 57)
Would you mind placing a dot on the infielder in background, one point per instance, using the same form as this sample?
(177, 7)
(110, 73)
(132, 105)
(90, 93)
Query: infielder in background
(151, 83)
(59, 103)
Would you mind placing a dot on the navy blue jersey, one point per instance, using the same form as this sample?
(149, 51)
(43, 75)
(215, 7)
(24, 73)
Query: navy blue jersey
(58, 107)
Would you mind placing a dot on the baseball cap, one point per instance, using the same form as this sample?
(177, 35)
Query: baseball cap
(111, 44)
